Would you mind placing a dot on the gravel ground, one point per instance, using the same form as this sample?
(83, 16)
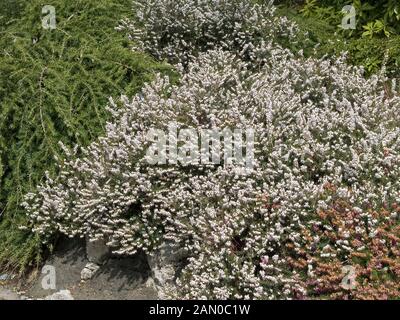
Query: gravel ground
(118, 279)
(7, 294)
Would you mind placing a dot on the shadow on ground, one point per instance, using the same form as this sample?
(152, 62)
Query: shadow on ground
(117, 279)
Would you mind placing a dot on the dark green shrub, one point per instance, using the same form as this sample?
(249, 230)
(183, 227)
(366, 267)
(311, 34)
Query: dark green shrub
(374, 17)
(323, 36)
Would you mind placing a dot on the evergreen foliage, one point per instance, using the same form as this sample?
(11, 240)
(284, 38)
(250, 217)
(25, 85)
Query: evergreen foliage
(54, 86)
(320, 36)
(10, 12)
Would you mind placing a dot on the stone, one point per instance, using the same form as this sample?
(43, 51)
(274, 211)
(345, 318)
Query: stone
(164, 264)
(60, 295)
(150, 284)
(4, 277)
(168, 253)
(97, 251)
(164, 274)
(89, 271)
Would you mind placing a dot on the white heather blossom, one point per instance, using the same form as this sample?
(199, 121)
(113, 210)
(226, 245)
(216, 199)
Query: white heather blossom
(177, 30)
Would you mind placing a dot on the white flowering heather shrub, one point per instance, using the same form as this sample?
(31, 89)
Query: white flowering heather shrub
(250, 233)
(177, 30)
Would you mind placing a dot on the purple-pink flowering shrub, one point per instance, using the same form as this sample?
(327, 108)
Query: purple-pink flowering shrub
(340, 235)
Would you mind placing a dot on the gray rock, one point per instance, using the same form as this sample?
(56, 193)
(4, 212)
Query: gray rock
(165, 263)
(150, 284)
(60, 295)
(4, 277)
(168, 254)
(89, 271)
(97, 252)
(164, 274)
